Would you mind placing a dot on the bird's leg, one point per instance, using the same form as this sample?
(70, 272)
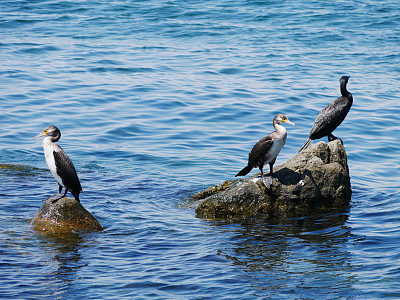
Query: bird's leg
(262, 173)
(267, 180)
(271, 171)
(58, 196)
(331, 138)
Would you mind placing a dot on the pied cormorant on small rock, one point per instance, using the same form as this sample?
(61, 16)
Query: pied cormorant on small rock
(59, 164)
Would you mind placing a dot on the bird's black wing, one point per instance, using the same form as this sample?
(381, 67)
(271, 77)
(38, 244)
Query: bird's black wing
(330, 117)
(260, 149)
(66, 170)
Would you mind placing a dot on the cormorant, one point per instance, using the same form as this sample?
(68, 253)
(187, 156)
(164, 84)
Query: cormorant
(59, 164)
(331, 116)
(267, 149)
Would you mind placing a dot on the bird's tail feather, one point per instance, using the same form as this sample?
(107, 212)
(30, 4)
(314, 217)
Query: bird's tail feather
(306, 144)
(246, 170)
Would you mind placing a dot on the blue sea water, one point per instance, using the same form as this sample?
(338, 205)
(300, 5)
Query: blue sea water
(157, 100)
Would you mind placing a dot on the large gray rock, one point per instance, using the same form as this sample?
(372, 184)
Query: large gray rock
(64, 217)
(316, 178)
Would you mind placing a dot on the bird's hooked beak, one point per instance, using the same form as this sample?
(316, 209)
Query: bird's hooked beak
(289, 122)
(43, 133)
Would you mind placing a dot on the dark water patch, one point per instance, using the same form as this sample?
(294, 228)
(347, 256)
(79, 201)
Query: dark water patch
(142, 89)
(27, 45)
(124, 132)
(21, 75)
(18, 23)
(242, 93)
(120, 70)
(107, 62)
(87, 36)
(170, 105)
(16, 97)
(230, 71)
(38, 50)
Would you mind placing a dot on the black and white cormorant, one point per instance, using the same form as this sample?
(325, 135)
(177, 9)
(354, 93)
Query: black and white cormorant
(267, 149)
(331, 116)
(59, 164)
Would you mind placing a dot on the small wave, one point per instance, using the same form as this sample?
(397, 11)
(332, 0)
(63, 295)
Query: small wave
(120, 70)
(38, 50)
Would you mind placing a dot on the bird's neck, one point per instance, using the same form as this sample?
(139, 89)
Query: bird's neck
(343, 89)
(48, 141)
(280, 129)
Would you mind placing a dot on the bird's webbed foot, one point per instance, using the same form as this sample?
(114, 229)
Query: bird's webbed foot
(56, 197)
(268, 179)
(331, 138)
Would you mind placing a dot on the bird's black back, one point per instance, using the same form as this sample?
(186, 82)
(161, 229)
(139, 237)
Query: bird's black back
(66, 170)
(333, 114)
(259, 151)
(331, 117)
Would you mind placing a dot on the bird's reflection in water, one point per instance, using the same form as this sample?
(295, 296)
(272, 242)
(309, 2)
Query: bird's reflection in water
(64, 260)
(307, 253)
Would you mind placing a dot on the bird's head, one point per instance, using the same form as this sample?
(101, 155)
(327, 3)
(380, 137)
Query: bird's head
(49, 131)
(344, 79)
(281, 118)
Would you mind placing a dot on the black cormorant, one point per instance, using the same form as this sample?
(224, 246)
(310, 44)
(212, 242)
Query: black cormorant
(59, 164)
(267, 149)
(331, 116)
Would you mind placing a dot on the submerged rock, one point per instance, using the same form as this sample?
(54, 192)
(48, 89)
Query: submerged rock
(316, 178)
(65, 216)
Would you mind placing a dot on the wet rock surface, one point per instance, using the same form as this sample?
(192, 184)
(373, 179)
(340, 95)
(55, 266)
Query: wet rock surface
(63, 217)
(316, 178)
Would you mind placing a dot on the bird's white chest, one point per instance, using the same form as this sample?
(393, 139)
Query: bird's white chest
(49, 148)
(275, 149)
